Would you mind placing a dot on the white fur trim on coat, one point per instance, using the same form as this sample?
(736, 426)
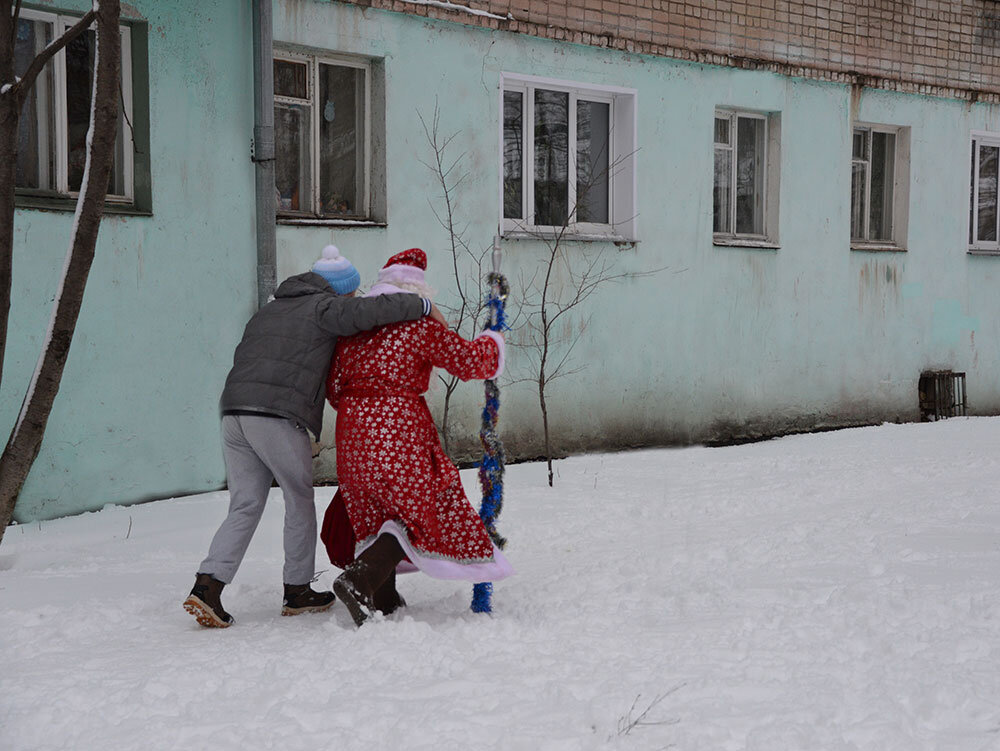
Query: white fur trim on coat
(441, 568)
(400, 273)
(500, 348)
(382, 288)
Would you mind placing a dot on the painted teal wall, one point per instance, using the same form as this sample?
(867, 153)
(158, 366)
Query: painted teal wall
(720, 342)
(723, 341)
(168, 295)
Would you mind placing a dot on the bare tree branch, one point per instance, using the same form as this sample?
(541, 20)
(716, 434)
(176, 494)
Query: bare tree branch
(15, 16)
(626, 723)
(449, 174)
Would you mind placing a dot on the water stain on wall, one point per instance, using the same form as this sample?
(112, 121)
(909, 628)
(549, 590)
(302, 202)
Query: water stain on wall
(879, 283)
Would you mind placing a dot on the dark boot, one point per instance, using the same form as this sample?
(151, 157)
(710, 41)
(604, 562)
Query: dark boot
(386, 599)
(300, 598)
(356, 587)
(205, 603)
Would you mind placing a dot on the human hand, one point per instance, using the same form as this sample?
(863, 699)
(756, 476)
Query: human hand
(436, 315)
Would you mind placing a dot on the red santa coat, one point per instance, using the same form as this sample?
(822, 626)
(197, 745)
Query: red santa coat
(393, 474)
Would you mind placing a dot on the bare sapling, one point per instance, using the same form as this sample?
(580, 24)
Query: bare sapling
(560, 287)
(466, 267)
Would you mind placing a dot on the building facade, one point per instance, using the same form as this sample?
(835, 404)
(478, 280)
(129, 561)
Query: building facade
(794, 206)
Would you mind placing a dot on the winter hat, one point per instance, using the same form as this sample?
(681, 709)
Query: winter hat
(337, 271)
(412, 257)
(405, 268)
(404, 272)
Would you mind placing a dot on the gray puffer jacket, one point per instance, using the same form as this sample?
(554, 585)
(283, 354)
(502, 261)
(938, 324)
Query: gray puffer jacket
(281, 364)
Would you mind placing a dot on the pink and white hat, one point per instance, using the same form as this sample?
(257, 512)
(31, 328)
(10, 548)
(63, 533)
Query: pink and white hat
(407, 267)
(404, 272)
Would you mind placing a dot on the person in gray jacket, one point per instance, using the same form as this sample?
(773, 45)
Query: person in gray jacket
(273, 395)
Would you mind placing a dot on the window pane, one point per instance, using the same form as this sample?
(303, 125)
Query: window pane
(593, 128)
(123, 140)
(859, 150)
(722, 192)
(858, 179)
(750, 176)
(36, 148)
(882, 166)
(513, 155)
(79, 64)
(290, 79)
(987, 209)
(551, 158)
(341, 140)
(972, 196)
(722, 130)
(291, 154)
(79, 82)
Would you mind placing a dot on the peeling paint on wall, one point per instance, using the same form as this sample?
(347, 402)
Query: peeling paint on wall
(129, 11)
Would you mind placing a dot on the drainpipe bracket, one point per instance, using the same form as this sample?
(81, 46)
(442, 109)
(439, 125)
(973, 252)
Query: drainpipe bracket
(262, 144)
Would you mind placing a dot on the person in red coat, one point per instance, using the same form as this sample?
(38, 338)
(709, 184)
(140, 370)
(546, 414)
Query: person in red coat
(402, 494)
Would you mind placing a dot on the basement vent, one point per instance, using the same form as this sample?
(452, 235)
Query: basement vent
(942, 394)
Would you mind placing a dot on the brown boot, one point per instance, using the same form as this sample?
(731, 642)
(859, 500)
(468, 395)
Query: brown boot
(301, 598)
(205, 603)
(356, 587)
(386, 599)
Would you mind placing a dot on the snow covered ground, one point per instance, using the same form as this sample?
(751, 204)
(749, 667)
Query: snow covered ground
(816, 593)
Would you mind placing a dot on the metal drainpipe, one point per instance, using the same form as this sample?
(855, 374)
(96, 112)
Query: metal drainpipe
(263, 148)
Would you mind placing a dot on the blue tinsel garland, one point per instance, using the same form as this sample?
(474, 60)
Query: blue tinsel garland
(491, 468)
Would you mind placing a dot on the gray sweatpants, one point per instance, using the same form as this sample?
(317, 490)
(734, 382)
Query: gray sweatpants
(257, 450)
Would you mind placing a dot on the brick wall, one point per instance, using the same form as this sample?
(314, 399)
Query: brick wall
(923, 46)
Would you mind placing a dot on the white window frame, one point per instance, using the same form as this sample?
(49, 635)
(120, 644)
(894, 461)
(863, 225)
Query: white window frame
(771, 180)
(985, 247)
(622, 145)
(900, 188)
(60, 23)
(312, 89)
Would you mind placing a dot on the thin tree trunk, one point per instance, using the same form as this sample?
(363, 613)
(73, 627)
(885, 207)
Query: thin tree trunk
(545, 427)
(26, 437)
(542, 383)
(444, 418)
(543, 359)
(8, 146)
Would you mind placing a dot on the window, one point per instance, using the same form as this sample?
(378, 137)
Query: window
(879, 156)
(52, 132)
(745, 182)
(322, 137)
(567, 159)
(983, 214)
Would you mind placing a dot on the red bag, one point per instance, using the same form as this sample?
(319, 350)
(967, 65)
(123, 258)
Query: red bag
(337, 533)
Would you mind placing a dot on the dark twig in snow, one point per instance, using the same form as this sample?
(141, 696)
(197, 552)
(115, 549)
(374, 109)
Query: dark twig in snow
(626, 723)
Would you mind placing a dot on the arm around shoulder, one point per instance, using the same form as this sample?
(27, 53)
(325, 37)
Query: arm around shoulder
(344, 316)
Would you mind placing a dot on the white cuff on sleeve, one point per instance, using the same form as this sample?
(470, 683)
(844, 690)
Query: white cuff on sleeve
(500, 347)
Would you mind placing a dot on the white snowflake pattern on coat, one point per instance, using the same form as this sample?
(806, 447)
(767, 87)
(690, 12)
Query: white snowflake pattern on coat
(390, 463)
